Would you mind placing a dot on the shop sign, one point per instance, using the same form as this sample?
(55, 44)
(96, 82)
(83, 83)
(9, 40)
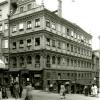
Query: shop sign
(37, 75)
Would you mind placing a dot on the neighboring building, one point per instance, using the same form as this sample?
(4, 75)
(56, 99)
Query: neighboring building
(96, 65)
(4, 11)
(47, 49)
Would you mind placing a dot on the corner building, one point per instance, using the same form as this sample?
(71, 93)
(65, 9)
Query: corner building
(47, 49)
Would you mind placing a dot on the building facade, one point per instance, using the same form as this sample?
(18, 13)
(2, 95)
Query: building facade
(47, 49)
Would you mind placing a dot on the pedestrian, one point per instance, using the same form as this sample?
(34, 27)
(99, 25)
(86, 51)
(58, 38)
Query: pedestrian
(29, 95)
(16, 90)
(62, 91)
(21, 89)
(11, 89)
(0, 92)
(86, 90)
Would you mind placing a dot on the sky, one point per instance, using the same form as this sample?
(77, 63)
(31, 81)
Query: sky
(85, 13)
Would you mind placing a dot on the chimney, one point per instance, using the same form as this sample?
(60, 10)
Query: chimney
(59, 8)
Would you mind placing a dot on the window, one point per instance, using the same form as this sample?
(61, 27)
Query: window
(21, 9)
(4, 43)
(72, 34)
(79, 50)
(29, 42)
(47, 23)
(71, 48)
(75, 49)
(21, 61)
(68, 32)
(21, 26)
(14, 62)
(14, 28)
(68, 47)
(53, 43)
(29, 6)
(29, 60)
(48, 59)
(71, 62)
(29, 24)
(14, 45)
(59, 60)
(0, 13)
(21, 43)
(53, 60)
(6, 26)
(67, 62)
(37, 22)
(59, 44)
(37, 59)
(53, 26)
(1, 28)
(37, 41)
(48, 41)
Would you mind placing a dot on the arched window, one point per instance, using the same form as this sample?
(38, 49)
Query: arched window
(29, 60)
(48, 59)
(21, 61)
(37, 61)
(14, 61)
(53, 60)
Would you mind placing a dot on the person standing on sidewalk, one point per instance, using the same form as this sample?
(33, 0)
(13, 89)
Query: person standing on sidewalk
(62, 91)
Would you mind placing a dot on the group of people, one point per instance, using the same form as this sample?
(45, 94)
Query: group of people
(17, 91)
(91, 90)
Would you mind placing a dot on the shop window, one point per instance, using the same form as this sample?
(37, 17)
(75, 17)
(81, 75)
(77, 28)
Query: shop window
(21, 9)
(21, 43)
(1, 28)
(14, 45)
(14, 28)
(59, 60)
(37, 41)
(29, 6)
(48, 23)
(29, 24)
(29, 60)
(37, 22)
(59, 75)
(21, 26)
(6, 26)
(48, 41)
(53, 60)
(29, 42)
(53, 43)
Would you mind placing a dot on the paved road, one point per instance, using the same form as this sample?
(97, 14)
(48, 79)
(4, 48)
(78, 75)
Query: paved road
(40, 95)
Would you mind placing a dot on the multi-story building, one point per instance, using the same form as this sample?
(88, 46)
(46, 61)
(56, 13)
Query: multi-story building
(47, 49)
(3, 41)
(95, 61)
